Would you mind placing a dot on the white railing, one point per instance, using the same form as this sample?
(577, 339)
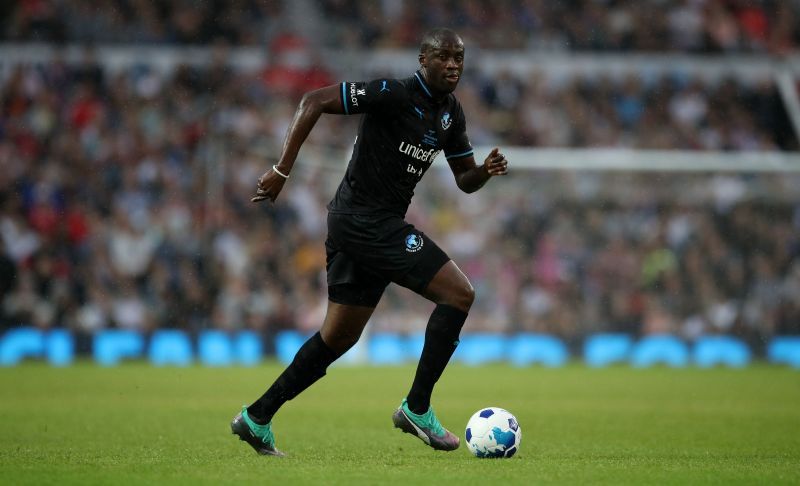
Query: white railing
(401, 61)
(602, 159)
(649, 160)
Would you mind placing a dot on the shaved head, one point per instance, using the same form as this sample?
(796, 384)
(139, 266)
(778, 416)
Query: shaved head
(441, 59)
(436, 38)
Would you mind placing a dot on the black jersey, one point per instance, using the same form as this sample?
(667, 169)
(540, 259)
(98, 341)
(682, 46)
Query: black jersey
(402, 131)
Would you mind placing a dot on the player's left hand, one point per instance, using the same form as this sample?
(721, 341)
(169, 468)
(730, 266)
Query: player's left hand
(269, 186)
(496, 163)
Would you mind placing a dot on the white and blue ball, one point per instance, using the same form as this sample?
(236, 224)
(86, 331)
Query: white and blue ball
(493, 432)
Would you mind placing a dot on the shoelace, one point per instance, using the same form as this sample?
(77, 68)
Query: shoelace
(263, 432)
(430, 421)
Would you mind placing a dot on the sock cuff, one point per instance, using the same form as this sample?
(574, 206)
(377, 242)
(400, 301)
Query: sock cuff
(449, 313)
(257, 428)
(408, 410)
(318, 344)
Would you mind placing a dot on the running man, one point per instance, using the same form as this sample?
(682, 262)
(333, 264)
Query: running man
(405, 124)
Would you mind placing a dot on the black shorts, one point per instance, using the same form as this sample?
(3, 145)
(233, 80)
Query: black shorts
(366, 252)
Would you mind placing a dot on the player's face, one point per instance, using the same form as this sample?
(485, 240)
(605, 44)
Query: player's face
(443, 65)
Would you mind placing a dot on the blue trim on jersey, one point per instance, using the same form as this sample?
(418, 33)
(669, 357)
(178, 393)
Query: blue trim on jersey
(454, 156)
(422, 83)
(344, 99)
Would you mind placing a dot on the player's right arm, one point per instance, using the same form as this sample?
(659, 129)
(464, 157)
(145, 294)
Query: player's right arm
(346, 98)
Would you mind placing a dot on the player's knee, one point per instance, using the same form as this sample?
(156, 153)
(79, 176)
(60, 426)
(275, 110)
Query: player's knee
(341, 342)
(463, 297)
(469, 296)
(451, 287)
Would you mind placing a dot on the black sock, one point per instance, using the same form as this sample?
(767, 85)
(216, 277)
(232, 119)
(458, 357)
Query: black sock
(441, 339)
(308, 366)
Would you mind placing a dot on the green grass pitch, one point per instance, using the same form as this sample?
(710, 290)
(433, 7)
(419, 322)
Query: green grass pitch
(137, 424)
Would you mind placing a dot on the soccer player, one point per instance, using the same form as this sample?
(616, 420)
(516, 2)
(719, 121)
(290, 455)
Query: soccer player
(405, 124)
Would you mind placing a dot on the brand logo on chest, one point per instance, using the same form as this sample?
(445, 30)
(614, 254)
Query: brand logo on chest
(417, 152)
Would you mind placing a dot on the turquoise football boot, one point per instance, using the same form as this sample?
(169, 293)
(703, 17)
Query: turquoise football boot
(426, 427)
(259, 437)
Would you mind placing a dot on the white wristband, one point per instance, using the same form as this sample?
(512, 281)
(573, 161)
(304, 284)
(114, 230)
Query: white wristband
(275, 170)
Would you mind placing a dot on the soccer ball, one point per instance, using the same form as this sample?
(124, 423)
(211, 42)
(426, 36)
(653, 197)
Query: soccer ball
(493, 432)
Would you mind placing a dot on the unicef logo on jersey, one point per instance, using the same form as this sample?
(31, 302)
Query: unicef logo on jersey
(446, 120)
(413, 243)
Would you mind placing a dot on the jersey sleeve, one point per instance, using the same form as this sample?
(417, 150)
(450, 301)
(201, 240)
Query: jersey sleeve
(377, 96)
(457, 144)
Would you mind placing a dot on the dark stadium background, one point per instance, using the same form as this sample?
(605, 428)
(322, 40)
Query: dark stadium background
(653, 148)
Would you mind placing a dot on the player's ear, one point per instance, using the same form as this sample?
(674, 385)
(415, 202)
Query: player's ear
(421, 58)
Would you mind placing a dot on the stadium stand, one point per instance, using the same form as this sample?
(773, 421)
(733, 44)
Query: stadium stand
(124, 189)
(705, 26)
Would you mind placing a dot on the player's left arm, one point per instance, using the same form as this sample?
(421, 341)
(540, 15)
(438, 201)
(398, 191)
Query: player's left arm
(470, 176)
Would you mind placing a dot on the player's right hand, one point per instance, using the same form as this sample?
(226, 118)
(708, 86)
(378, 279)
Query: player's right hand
(269, 186)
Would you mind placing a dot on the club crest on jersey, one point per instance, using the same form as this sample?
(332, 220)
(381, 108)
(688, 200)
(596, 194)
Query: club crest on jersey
(413, 243)
(446, 120)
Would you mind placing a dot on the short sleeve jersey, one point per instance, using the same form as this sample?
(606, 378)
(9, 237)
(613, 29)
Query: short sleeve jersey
(402, 130)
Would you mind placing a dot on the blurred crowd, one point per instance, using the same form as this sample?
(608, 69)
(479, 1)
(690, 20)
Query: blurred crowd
(573, 253)
(697, 26)
(670, 112)
(240, 22)
(124, 194)
(124, 202)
